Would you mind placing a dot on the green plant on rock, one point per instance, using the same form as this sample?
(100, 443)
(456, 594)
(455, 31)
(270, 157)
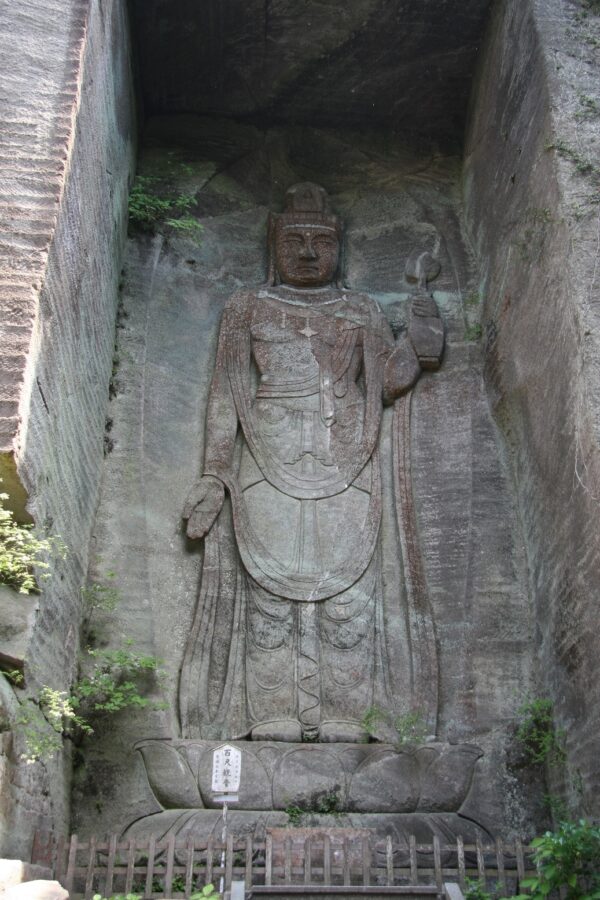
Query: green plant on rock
(472, 299)
(474, 890)
(410, 728)
(589, 108)
(568, 863)
(98, 598)
(536, 733)
(114, 681)
(294, 814)
(473, 332)
(157, 205)
(22, 553)
(582, 165)
(208, 892)
(15, 676)
(118, 897)
(41, 740)
(371, 719)
(44, 721)
(329, 804)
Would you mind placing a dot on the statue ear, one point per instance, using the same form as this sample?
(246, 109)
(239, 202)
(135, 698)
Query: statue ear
(272, 276)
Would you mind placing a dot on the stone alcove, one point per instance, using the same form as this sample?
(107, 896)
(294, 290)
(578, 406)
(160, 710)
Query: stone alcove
(371, 103)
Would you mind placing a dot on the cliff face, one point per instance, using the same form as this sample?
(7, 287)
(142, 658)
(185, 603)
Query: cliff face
(67, 151)
(531, 177)
(404, 65)
(242, 99)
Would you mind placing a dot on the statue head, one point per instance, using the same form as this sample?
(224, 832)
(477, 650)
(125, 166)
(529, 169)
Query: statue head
(304, 240)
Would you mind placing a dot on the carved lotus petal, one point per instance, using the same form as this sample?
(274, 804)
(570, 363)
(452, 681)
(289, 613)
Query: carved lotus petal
(305, 776)
(446, 775)
(170, 777)
(386, 782)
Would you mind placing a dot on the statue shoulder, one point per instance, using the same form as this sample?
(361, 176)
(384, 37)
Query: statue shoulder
(240, 300)
(366, 305)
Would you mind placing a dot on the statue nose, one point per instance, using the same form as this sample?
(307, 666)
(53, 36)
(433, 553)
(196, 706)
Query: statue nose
(307, 251)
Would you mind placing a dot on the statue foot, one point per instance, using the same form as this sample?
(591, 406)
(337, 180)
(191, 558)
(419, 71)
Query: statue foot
(341, 732)
(279, 730)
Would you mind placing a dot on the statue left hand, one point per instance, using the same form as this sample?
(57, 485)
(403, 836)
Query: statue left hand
(401, 371)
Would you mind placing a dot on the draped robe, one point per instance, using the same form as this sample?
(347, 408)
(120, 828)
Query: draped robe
(302, 612)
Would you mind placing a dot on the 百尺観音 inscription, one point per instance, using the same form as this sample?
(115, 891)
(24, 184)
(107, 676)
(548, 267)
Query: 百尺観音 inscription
(227, 769)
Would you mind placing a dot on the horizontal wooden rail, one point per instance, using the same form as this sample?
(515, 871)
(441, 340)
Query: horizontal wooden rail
(341, 863)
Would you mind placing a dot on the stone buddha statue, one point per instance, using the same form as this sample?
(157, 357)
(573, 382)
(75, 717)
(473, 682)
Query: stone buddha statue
(303, 621)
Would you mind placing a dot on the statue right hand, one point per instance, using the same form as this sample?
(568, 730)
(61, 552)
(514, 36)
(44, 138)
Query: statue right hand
(203, 505)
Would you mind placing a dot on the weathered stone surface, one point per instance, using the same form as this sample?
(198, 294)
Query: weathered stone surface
(15, 871)
(386, 781)
(36, 890)
(205, 823)
(17, 615)
(296, 438)
(67, 149)
(393, 204)
(405, 64)
(531, 190)
(374, 778)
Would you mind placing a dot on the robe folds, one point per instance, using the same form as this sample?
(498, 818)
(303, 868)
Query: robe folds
(306, 610)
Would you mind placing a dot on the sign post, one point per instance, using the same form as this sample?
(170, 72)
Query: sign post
(226, 776)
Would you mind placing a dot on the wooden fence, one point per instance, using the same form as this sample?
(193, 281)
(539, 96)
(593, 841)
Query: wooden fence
(176, 869)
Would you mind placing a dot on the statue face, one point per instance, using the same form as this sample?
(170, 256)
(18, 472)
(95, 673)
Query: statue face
(306, 256)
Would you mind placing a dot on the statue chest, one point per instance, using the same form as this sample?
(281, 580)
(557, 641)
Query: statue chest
(298, 345)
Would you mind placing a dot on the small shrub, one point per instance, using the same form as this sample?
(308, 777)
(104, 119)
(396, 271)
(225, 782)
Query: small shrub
(118, 897)
(100, 597)
(568, 863)
(97, 598)
(208, 892)
(41, 739)
(15, 676)
(330, 804)
(410, 728)
(372, 717)
(537, 735)
(474, 890)
(113, 683)
(157, 205)
(473, 332)
(21, 552)
(294, 814)
(44, 721)
(582, 165)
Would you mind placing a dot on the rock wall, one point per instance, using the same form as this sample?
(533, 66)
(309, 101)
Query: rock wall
(401, 65)
(68, 140)
(393, 203)
(531, 174)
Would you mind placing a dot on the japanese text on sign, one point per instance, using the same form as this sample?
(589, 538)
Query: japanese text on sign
(227, 767)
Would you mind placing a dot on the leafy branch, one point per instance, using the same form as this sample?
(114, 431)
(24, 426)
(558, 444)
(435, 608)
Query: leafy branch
(157, 205)
(22, 553)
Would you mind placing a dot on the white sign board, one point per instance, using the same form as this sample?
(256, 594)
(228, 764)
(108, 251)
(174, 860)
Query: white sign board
(227, 770)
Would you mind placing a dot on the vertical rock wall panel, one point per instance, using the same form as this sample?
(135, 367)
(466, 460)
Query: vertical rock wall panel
(68, 146)
(531, 180)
